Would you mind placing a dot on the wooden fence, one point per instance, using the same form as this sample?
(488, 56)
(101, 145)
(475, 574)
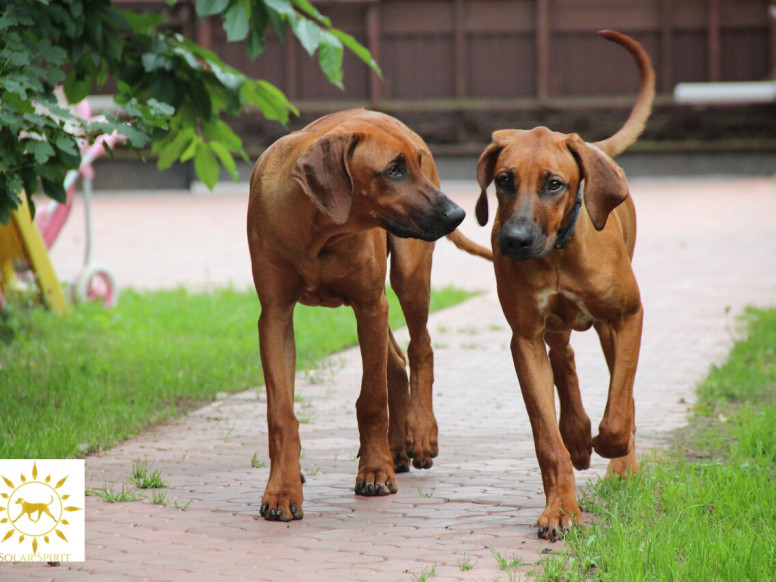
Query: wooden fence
(456, 69)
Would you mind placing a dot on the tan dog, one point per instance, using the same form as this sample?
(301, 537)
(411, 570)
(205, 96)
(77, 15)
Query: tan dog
(321, 201)
(29, 509)
(560, 269)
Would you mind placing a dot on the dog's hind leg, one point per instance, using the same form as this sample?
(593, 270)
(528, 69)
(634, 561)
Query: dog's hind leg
(398, 405)
(574, 421)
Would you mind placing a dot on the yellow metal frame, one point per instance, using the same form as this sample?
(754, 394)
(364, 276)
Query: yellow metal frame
(22, 239)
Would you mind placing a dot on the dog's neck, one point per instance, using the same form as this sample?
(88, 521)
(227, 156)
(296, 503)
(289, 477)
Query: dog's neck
(564, 234)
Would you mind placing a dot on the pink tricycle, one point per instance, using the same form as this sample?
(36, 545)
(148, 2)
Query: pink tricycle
(23, 253)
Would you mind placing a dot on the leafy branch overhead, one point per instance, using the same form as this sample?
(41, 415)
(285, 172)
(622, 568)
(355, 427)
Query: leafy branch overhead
(173, 92)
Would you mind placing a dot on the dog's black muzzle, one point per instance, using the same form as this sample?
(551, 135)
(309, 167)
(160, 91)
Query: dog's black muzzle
(431, 226)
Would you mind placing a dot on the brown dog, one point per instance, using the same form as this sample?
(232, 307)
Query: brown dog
(321, 201)
(560, 269)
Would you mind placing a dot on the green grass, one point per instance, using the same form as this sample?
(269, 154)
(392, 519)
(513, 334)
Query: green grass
(143, 477)
(465, 563)
(425, 574)
(110, 494)
(75, 385)
(508, 565)
(705, 512)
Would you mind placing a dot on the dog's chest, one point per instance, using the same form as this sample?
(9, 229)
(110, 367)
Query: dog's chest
(564, 310)
(322, 286)
(331, 281)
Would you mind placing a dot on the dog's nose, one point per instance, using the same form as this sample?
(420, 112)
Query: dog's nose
(454, 215)
(518, 238)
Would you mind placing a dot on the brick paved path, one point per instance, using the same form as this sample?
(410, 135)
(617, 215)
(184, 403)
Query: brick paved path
(706, 248)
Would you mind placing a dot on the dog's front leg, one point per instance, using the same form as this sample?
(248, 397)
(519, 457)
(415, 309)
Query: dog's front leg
(283, 497)
(411, 279)
(616, 433)
(375, 467)
(536, 383)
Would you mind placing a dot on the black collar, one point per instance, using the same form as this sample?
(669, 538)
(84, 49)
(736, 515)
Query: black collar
(565, 234)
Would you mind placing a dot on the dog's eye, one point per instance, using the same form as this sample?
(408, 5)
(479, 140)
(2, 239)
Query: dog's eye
(394, 171)
(504, 181)
(555, 186)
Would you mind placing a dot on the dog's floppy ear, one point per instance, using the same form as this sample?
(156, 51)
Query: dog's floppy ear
(486, 167)
(605, 184)
(324, 174)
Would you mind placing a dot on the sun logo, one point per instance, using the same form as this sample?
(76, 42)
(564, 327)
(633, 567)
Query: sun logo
(35, 510)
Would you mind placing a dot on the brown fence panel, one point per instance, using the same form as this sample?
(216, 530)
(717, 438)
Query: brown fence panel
(448, 49)
(453, 62)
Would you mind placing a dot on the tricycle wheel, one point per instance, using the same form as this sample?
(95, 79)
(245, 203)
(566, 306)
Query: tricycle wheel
(96, 283)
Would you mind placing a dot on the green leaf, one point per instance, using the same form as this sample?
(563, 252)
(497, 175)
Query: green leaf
(256, 42)
(67, 150)
(228, 77)
(236, 23)
(270, 100)
(210, 7)
(358, 49)
(184, 52)
(40, 150)
(330, 54)
(259, 15)
(226, 158)
(191, 150)
(283, 7)
(171, 152)
(278, 19)
(17, 58)
(142, 24)
(160, 108)
(206, 165)
(54, 189)
(76, 89)
(308, 33)
(163, 88)
(217, 130)
(305, 6)
(29, 180)
(137, 138)
(153, 61)
(198, 99)
(15, 16)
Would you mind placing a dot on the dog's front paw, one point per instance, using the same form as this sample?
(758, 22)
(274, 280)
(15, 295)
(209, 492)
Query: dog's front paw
(282, 505)
(577, 438)
(558, 518)
(611, 444)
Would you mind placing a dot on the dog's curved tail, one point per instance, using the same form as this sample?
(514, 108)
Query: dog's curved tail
(466, 244)
(635, 123)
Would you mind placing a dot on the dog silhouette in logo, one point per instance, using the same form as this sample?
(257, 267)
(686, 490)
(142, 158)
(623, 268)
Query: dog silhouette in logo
(29, 509)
